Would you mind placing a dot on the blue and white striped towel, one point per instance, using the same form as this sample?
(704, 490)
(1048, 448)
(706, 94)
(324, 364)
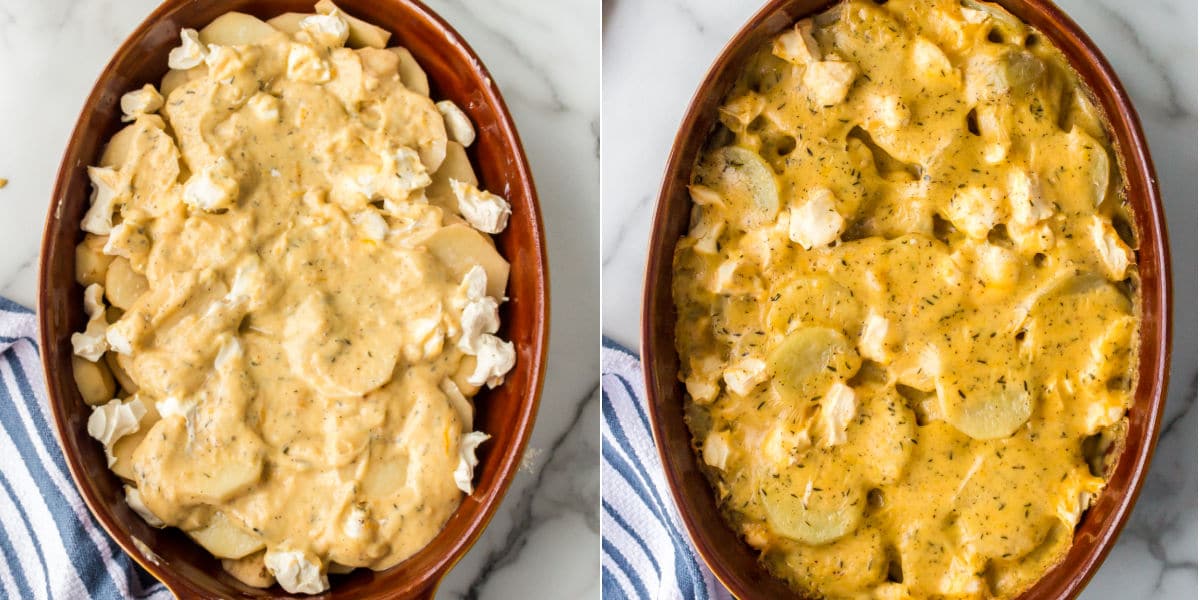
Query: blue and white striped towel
(50, 546)
(647, 552)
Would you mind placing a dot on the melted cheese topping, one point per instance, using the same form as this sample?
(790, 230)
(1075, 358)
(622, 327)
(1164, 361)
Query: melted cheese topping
(293, 301)
(904, 303)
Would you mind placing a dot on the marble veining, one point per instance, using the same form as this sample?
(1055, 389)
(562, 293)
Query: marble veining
(545, 57)
(656, 53)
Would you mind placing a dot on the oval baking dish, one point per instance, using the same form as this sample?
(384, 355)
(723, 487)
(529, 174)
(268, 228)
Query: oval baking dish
(507, 412)
(734, 562)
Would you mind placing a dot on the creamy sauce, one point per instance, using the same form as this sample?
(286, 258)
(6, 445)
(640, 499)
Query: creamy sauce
(906, 303)
(295, 309)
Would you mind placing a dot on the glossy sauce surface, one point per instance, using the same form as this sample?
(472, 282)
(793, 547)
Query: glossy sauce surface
(904, 302)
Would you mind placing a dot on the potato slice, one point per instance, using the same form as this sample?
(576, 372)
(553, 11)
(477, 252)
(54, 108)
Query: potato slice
(122, 285)
(288, 22)
(250, 570)
(94, 380)
(124, 448)
(882, 437)
(745, 182)
(460, 247)
(986, 414)
(456, 166)
(113, 360)
(809, 360)
(204, 470)
(411, 74)
(815, 300)
(176, 78)
(1073, 305)
(379, 63)
(223, 539)
(121, 147)
(848, 566)
(225, 482)
(236, 29)
(362, 33)
(337, 569)
(813, 503)
(91, 263)
(979, 504)
(738, 322)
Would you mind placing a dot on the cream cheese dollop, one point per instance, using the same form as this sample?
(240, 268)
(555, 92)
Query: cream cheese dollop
(330, 30)
(92, 343)
(493, 360)
(142, 101)
(296, 571)
(467, 460)
(190, 53)
(485, 211)
(112, 421)
(105, 197)
(458, 125)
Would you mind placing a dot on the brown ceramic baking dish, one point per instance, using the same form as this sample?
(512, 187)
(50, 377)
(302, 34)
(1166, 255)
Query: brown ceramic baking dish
(733, 561)
(507, 413)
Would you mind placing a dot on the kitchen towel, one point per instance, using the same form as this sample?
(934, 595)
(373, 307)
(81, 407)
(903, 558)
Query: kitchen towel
(647, 552)
(50, 546)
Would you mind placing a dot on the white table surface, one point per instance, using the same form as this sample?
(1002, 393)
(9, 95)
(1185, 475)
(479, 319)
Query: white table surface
(545, 56)
(656, 53)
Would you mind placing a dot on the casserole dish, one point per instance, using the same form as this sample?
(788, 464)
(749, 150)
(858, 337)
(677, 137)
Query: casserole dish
(507, 413)
(736, 563)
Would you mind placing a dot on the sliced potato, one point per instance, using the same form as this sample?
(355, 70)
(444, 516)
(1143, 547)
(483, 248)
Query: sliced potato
(979, 504)
(236, 29)
(433, 152)
(337, 569)
(224, 482)
(814, 300)
(886, 429)
(811, 506)
(94, 380)
(250, 570)
(456, 166)
(122, 285)
(411, 74)
(176, 78)
(205, 471)
(362, 33)
(460, 247)
(288, 22)
(738, 322)
(91, 263)
(849, 566)
(120, 148)
(223, 539)
(463, 375)
(458, 125)
(809, 360)
(113, 360)
(1071, 306)
(745, 182)
(123, 451)
(124, 448)
(379, 63)
(986, 414)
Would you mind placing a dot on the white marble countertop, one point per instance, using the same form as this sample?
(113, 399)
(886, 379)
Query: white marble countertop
(656, 53)
(544, 54)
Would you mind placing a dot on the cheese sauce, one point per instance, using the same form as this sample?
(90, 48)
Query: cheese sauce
(905, 302)
(297, 312)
